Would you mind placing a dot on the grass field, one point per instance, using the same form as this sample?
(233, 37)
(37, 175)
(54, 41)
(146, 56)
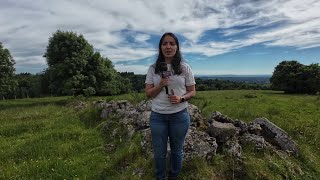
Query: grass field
(44, 138)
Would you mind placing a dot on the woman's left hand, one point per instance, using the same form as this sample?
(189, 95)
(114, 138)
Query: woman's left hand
(174, 99)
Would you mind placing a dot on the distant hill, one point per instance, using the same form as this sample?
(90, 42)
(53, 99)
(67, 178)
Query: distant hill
(261, 79)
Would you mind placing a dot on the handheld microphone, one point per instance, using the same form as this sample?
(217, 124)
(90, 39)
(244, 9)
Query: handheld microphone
(164, 68)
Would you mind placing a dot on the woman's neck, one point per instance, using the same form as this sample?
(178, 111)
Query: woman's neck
(168, 61)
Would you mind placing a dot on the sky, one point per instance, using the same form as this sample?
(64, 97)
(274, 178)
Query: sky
(239, 37)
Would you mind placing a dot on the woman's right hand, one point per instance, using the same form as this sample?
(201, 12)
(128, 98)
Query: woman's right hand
(164, 82)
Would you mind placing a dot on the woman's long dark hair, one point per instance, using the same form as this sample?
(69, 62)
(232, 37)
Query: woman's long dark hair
(176, 61)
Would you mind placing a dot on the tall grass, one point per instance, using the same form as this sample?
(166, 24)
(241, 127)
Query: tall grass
(43, 140)
(298, 115)
(46, 139)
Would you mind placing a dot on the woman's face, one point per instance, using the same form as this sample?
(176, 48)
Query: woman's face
(168, 47)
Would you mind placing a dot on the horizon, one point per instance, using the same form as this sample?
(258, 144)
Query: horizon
(223, 38)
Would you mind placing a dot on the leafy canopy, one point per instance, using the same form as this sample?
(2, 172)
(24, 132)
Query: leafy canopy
(7, 73)
(74, 68)
(294, 77)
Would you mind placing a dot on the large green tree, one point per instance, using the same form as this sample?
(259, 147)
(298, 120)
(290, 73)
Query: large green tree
(310, 78)
(29, 85)
(7, 76)
(294, 77)
(74, 68)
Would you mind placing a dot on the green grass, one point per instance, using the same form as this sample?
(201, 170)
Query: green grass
(43, 138)
(298, 115)
(40, 139)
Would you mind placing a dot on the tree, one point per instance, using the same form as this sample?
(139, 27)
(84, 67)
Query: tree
(285, 76)
(311, 78)
(293, 77)
(67, 56)
(74, 68)
(7, 79)
(29, 85)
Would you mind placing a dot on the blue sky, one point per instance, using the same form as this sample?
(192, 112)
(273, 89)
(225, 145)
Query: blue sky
(217, 37)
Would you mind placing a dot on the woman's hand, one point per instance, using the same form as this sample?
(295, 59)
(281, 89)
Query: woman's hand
(164, 82)
(174, 99)
(153, 90)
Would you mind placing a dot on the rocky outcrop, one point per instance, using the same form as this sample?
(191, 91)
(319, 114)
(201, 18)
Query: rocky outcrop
(136, 119)
(255, 129)
(257, 141)
(199, 143)
(232, 147)
(196, 118)
(241, 126)
(204, 137)
(222, 131)
(276, 136)
(77, 105)
(217, 116)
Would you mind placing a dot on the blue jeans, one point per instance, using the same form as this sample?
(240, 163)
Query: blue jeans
(174, 126)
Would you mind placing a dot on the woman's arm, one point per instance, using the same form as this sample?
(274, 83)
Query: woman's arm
(152, 90)
(191, 91)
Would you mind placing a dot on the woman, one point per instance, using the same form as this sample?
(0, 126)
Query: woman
(170, 83)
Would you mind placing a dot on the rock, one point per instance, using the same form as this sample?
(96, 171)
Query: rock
(122, 108)
(78, 105)
(232, 147)
(217, 116)
(130, 130)
(255, 129)
(196, 118)
(222, 131)
(114, 133)
(146, 142)
(199, 143)
(142, 121)
(276, 136)
(258, 141)
(242, 126)
(144, 106)
(127, 114)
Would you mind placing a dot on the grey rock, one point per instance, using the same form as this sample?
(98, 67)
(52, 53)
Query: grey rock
(130, 130)
(217, 116)
(196, 118)
(254, 128)
(277, 136)
(142, 121)
(222, 131)
(202, 138)
(258, 141)
(78, 105)
(144, 106)
(241, 125)
(146, 142)
(232, 147)
(199, 143)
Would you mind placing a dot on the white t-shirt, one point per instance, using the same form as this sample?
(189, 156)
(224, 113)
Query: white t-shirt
(177, 83)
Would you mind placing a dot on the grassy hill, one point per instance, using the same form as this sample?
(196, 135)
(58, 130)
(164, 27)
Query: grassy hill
(47, 138)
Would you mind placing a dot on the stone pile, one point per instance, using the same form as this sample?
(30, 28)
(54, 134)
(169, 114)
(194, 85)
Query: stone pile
(205, 136)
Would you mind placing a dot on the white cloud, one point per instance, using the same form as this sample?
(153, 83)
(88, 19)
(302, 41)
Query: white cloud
(30, 60)
(126, 53)
(141, 37)
(137, 69)
(25, 26)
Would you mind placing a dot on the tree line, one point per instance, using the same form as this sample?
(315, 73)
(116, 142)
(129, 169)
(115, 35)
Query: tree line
(74, 68)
